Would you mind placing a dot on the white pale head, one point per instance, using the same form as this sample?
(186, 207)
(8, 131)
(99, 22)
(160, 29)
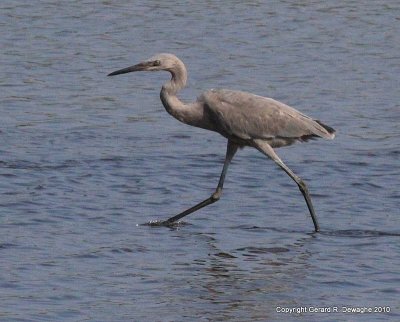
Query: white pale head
(164, 62)
(157, 62)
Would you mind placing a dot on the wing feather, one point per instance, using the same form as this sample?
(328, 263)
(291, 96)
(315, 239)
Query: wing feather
(248, 116)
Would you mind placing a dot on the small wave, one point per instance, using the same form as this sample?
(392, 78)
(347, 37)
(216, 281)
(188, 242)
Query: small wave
(359, 233)
(264, 250)
(7, 245)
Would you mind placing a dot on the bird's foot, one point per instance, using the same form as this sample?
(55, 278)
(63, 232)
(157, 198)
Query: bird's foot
(164, 223)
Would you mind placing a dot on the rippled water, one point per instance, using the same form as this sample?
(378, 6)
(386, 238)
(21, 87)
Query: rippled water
(86, 159)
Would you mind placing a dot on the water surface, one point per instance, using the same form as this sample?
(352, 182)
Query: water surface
(86, 159)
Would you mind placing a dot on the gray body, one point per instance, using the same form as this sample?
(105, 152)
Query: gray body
(243, 118)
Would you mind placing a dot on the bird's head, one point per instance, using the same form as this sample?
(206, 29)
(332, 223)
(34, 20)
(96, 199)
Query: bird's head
(166, 62)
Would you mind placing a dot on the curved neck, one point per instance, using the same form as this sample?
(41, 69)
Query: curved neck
(178, 79)
(193, 113)
(171, 102)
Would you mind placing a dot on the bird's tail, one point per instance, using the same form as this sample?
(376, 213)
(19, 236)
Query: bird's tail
(328, 132)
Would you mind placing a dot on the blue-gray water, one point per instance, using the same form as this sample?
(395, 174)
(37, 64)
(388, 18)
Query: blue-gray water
(85, 159)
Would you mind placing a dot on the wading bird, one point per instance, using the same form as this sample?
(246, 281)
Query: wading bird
(244, 119)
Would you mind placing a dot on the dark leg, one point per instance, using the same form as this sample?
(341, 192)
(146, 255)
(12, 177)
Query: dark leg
(266, 149)
(230, 152)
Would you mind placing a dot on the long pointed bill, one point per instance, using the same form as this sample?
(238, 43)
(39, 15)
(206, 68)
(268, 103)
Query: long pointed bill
(134, 68)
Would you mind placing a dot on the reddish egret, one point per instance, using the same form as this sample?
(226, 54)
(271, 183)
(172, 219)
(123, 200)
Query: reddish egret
(244, 119)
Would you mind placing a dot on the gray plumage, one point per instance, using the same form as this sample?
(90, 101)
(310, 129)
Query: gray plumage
(243, 118)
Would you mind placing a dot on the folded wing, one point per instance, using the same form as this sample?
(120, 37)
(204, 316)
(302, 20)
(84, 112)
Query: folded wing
(247, 116)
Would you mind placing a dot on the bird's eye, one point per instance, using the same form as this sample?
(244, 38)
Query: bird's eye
(156, 63)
